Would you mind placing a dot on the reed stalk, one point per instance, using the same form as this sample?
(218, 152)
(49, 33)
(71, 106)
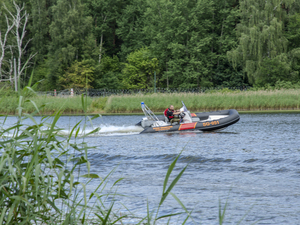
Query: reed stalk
(241, 101)
(250, 100)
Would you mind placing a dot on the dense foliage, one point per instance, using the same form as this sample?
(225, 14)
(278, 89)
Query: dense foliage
(188, 43)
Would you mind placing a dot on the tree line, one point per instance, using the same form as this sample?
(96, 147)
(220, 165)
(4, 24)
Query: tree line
(119, 44)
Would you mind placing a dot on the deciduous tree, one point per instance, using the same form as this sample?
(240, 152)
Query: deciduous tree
(4, 32)
(139, 71)
(78, 75)
(261, 38)
(71, 37)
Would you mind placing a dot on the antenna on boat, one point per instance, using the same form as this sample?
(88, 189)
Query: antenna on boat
(148, 113)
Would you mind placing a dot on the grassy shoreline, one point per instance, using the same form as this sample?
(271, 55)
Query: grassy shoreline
(277, 101)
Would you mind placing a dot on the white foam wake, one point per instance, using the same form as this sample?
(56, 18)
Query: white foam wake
(106, 130)
(119, 129)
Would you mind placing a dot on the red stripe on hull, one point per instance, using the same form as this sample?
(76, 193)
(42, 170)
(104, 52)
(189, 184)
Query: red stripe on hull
(193, 115)
(187, 126)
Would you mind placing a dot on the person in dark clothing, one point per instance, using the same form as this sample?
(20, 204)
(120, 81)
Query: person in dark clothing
(173, 115)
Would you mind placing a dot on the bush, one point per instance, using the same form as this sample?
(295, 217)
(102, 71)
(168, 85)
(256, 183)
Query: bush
(286, 85)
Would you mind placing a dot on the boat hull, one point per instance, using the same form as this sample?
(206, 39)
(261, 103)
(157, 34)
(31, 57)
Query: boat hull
(232, 116)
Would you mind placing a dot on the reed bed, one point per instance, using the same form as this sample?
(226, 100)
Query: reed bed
(48, 105)
(247, 101)
(242, 101)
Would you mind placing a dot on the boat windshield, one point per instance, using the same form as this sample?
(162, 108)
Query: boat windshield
(184, 107)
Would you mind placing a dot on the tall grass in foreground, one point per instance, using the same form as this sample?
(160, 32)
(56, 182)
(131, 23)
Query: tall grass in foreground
(248, 100)
(37, 179)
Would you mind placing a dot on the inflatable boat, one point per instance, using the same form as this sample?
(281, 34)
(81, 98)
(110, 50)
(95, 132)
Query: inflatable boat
(205, 121)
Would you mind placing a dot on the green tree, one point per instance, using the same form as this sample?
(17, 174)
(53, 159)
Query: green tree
(131, 25)
(39, 27)
(104, 20)
(261, 38)
(78, 75)
(138, 72)
(278, 68)
(293, 36)
(158, 19)
(181, 34)
(71, 37)
(226, 16)
(198, 53)
(108, 73)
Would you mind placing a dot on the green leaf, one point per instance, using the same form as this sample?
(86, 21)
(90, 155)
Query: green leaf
(20, 198)
(107, 215)
(57, 116)
(91, 175)
(92, 132)
(182, 205)
(114, 222)
(100, 217)
(96, 116)
(172, 185)
(118, 181)
(70, 135)
(2, 215)
(222, 214)
(169, 215)
(53, 205)
(170, 169)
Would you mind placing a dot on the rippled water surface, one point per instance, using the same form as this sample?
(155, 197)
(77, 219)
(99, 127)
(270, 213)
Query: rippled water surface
(255, 164)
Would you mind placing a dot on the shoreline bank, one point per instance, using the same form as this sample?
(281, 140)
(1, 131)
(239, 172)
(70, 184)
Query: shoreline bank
(158, 113)
(277, 101)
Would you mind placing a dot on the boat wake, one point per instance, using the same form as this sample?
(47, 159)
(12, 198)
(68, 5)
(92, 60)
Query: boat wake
(104, 130)
(119, 130)
(107, 130)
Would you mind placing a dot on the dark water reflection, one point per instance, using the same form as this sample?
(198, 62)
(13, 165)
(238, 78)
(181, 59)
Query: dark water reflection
(255, 164)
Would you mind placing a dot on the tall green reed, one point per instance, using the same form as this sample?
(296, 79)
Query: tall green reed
(33, 174)
(250, 100)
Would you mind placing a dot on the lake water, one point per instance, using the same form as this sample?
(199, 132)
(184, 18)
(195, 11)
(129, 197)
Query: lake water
(253, 164)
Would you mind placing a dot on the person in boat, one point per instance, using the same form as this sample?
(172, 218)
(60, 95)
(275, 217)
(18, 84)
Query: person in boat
(172, 115)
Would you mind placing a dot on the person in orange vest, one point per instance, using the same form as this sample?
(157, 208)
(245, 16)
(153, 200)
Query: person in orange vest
(172, 115)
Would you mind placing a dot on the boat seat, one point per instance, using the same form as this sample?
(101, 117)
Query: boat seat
(165, 116)
(203, 117)
(195, 119)
(166, 119)
(168, 122)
